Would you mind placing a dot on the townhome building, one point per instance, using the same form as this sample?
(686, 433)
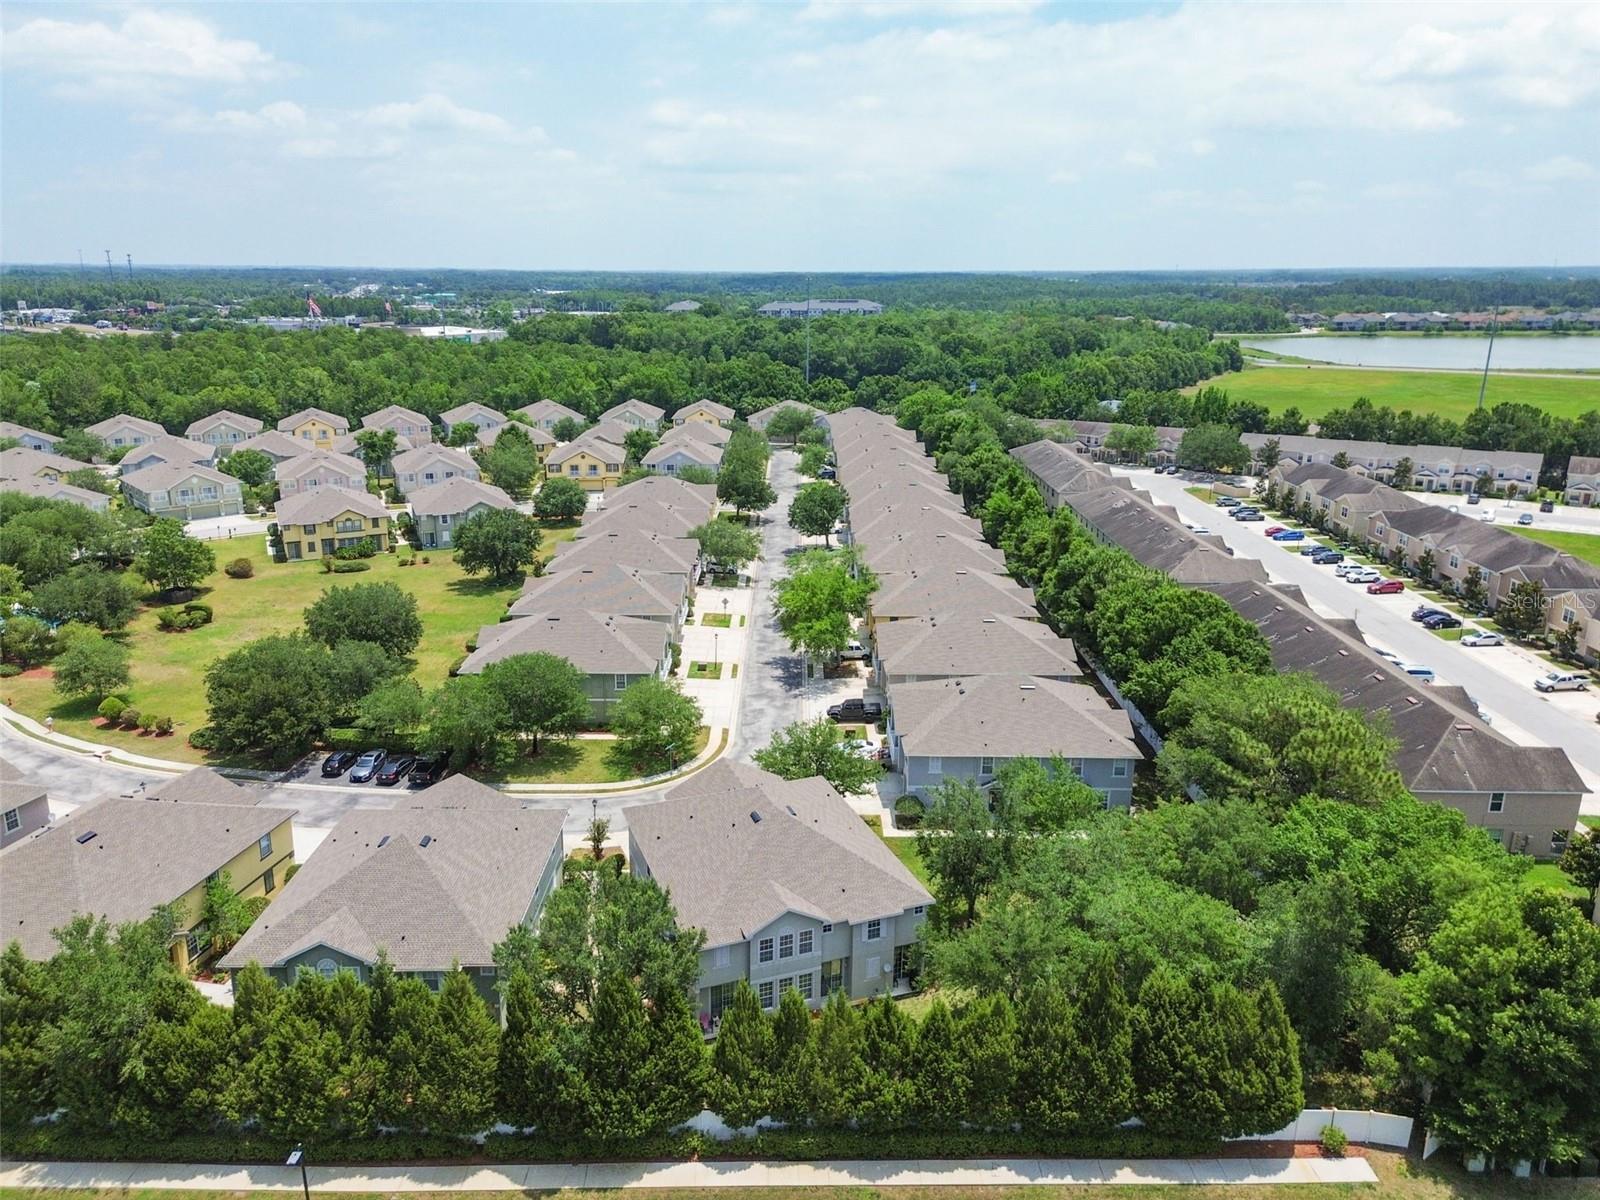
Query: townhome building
(938, 590)
(707, 412)
(967, 645)
(183, 491)
(479, 416)
(431, 464)
(433, 885)
(315, 425)
(790, 887)
(821, 308)
(439, 509)
(662, 518)
(24, 803)
(405, 422)
(123, 430)
(894, 520)
(57, 488)
(633, 549)
(1059, 472)
(30, 439)
(320, 469)
(968, 727)
(547, 414)
(760, 420)
(223, 428)
(121, 858)
(350, 443)
(614, 590)
(590, 462)
(672, 454)
(1156, 538)
(698, 500)
(907, 551)
(1347, 500)
(1433, 468)
(1583, 482)
(317, 522)
(19, 462)
(635, 414)
(542, 441)
(166, 450)
(276, 446)
(612, 652)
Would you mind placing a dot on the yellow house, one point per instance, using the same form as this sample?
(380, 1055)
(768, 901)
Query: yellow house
(706, 412)
(318, 522)
(123, 857)
(589, 462)
(316, 426)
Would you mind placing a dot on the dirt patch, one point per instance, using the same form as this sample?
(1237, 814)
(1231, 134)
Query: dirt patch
(38, 673)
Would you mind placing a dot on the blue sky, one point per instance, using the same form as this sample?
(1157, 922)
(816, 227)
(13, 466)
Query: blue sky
(811, 136)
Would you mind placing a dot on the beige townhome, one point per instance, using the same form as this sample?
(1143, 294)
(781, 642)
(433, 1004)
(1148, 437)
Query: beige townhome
(184, 491)
(547, 414)
(1583, 482)
(635, 414)
(315, 425)
(431, 464)
(19, 462)
(224, 428)
(319, 469)
(405, 422)
(590, 462)
(123, 430)
(318, 522)
(480, 416)
(706, 412)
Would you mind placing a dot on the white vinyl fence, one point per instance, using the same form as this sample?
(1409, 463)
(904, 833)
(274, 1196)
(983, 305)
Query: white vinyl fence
(1373, 1128)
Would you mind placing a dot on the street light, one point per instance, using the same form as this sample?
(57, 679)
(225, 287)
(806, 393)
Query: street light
(297, 1158)
(715, 661)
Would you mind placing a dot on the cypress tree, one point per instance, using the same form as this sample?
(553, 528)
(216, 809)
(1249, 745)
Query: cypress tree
(839, 1067)
(615, 1048)
(1045, 1038)
(28, 1009)
(676, 1069)
(940, 1082)
(794, 1060)
(888, 1048)
(457, 1094)
(1178, 1059)
(1273, 1050)
(1100, 1056)
(742, 1059)
(986, 1033)
(412, 1019)
(522, 1041)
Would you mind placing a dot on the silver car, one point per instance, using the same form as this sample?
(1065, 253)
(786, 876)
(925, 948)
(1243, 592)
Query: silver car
(1562, 681)
(1482, 637)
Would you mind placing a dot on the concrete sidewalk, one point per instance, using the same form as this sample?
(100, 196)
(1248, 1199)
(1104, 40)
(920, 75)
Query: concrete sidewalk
(553, 1176)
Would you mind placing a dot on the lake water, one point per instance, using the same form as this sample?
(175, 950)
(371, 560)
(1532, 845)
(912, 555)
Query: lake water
(1521, 352)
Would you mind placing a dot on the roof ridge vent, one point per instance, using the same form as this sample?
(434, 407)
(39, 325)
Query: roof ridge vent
(427, 840)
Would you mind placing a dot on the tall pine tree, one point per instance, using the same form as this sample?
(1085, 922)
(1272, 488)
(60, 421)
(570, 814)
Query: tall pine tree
(1179, 1061)
(1100, 1057)
(741, 1060)
(458, 1081)
(840, 1066)
(888, 1048)
(986, 1033)
(794, 1058)
(675, 1073)
(616, 1049)
(1044, 1089)
(939, 1073)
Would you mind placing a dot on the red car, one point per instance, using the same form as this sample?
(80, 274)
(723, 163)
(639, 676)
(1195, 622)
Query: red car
(1272, 529)
(1385, 587)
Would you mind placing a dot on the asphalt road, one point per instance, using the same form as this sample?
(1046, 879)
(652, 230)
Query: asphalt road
(1503, 685)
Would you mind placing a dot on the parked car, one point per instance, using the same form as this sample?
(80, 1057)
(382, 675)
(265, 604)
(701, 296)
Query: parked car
(1364, 575)
(855, 709)
(1252, 515)
(396, 769)
(1289, 535)
(860, 748)
(1200, 529)
(368, 765)
(1346, 569)
(826, 473)
(1273, 530)
(1243, 510)
(1487, 518)
(1229, 502)
(1385, 587)
(1482, 637)
(1417, 671)
(430, 770)
(1388, 654)
(1424, 610)
(1327, 558)
(1562, 681)
(1473, 498)
(1525, 519)
(1441, 621)
(337, 763)
(854, 652)
(1311, 548)
(1547, 506)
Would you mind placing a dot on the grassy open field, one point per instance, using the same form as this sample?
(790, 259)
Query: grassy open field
(1580, 545)
(1316, 390)
(169, 668)
(581, 760)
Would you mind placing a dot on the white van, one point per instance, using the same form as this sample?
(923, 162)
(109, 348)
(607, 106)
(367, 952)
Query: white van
(1418, 672)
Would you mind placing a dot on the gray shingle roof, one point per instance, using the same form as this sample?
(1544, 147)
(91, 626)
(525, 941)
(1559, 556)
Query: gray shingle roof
(19, 462)
(731, 876)
(1009, 716)
(591, 444)
(648, 411)
(640, 551)
(10, 429)
(611, 590)
(549, 410)
(1062, 470)
(17, 788)
(934, 647)
(275, 445)
(306, 414)
(395, 412)
(760, 420)
(470, 411)
(165, 476)
(324, 503)
(303, 464)
(372, 885)
(697, 452)
(937, 590)
(456, 495)
(645, 515)
(110, 425)
(906, 552)
(711, 407)
(696, 498)
(223, 416)
(415, 460)
(893, 520)
(47, 489)
(595, 643)
(1155, 537)
(172, 450)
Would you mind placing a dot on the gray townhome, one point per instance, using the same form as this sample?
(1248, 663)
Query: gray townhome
(430, 464)
(223, 428)
(937, 590)
(673, 454)
(124, 430)
(25, 802)
(611, 590)
(612, 652)
(33, 439)
(790, 886)
(44, 488)
(1583, 481)
(279, 447)
(635, 414)
(631, 548)
(969, 644)
(185, 491)
(439, 509)
(480, 416)
(434, 883)
(968, 728)
(166, 450)
(547, 414)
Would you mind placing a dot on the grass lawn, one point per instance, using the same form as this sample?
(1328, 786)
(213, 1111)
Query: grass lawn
(720, 620)
(169, 668)
(581, 760)
(1448, 635)
(1548, 874)
(1316, 390)
(1580, 545)
(905, 849)
(705, 670)
(1202, 493)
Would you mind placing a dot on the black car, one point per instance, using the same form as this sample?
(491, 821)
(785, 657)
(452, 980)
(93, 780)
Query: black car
(1423, 611)
(855, 709)
(1547, 506)
(396, 769)
(337, 763)
(1327, 558)
(1441, 621)
(368, 765)
(430, 770)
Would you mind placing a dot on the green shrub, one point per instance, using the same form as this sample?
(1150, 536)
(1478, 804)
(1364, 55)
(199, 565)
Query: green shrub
(291, 871)
(9, 670)
(908, 812)
(1334, 1141)
(164, 725)
(327, 563)
(130, 718)
(345, 568)
(167, 619)
(239, 568)
(200, 608)
(111, 709)
(202, 738)
(365, 548)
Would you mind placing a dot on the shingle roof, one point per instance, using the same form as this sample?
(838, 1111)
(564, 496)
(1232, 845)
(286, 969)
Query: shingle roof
(711, 407)
(640, 551)
(470, 411)
(1577, 466)
(395, 412)
(595, 643)
(697, 452)
(648, 411)
(456, 495)
(907, 520)
(204, 785)
(459, 791)
(10, 429)
(933, 647)
(18, 787)
(19, 462)
(372, 885)
(47, 489)
(699, 431)
(1009, 716)
(124, 421)
(936, 590)
(698, 498)
(144, 853)
(304, 464)
(273, 444)
(731, 875)
(535, 434)
(223, 416)
(308, 414)
(590, 444)
(324, 503)
(415, 460)
(612, 590)
(906, 552)
(172, 450)
(1155, 537)
(549, 410)
(346, 443)
(760, 420)
(164, 476)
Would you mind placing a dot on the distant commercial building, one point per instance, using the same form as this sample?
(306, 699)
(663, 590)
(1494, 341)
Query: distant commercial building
(820, 308)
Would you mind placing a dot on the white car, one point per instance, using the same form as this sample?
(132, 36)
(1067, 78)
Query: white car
(1482, 637)
(1364, 575)
(1345, 569)
(1562, 681)
(1197, 528)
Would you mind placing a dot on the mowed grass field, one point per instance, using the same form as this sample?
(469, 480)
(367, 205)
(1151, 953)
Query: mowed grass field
(169, 668)
(1316, 390)
(1580, 545)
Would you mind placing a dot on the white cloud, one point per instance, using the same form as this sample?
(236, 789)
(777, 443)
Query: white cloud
(1200, 147)
(899, 10)
(1563, 168)
(1399, 190)
(1142, 159)
(147, 48)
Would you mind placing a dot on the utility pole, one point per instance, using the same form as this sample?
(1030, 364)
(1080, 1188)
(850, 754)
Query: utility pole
(109, 273)
(130, 266)
(80, 264)
(1483, 386)
(808, 331)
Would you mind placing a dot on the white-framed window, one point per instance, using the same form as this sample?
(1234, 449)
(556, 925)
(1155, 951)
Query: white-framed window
(827, 927)
(444, 518)
(13, 820)
(619, 682)
(786, 945)
(986, 765)
(785, 984)
(764, 950)
(327, 968)
(721, 956)
(764, 992)
(1558, 841)
(1077, 766)
(1455, 561)
(308, 528)
(805, 941)
(1567, 615)
(1344, 511)
(1119, 769)
(265, 845)
(1497, 802)
(802, 985)
(433, 979)
(935, 764)
(874, 929)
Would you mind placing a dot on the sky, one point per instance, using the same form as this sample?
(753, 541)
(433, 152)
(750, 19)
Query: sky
(913, 135)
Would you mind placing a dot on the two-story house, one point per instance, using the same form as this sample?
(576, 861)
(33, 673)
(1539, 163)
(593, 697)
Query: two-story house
(547, 414)
(406, 423)
(760, 420)
(320, 469)
(1583, 481)
(29, 439)
(57, 489)
(439, 508)
(673, 453)
(791, 888)
(593, 464)
(969, 644)
(635, 414)
(480, 416)
(433, 884)
(121, 858)
(123, 430)
(431, 464)
(707, 412)
(276, 446)
(614, 590)
(223, 428)
(636, 549)
(319, 521)
(969, 727)
(19, 462)
(25, 802)
(166, 450)
(183, 491)
(314, 425)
